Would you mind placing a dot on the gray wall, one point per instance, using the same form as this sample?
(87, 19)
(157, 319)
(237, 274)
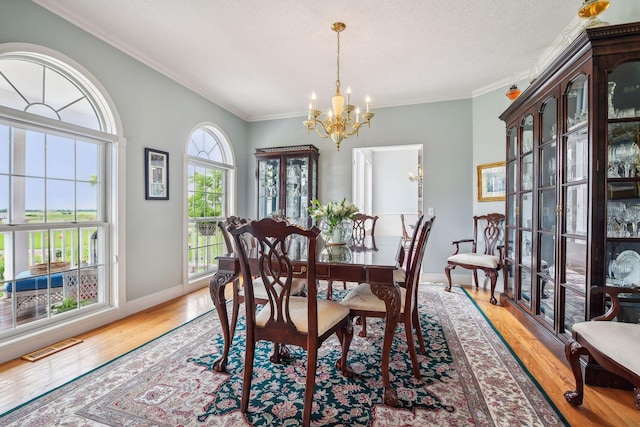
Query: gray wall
(156, 112)
(444, 129)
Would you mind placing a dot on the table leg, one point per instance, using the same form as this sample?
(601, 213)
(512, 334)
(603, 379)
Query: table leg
(391, 297)
(216, 289)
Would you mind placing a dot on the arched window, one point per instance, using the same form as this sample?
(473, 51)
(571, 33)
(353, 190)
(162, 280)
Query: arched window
(55, 134)
(210, 196)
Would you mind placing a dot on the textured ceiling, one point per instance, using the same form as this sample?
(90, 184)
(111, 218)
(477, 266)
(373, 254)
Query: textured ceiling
(262, 59)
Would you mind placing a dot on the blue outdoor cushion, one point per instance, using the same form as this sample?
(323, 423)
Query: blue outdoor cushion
(27, 282)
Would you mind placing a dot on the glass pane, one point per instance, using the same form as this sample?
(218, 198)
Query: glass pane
(548, 165)
(575, 267)
(510, 244)
(576, 209)
(60, 201)
(4, 201)
(527, 134)
(60, 157)
(574, 306)
(87, 202)
(547, 206)
(294, 204)
(527, 210)
(527, 172)
(623, 150)
(511, 210)
(623, 263)
(577, 101)
(510, 282)
(34, 152)
(624, 91)
(525, 248)
(547, 253)
(512, 144)
(88, 162)
(549, 118)
(268, 188)
(32, 209)
(512, 177)
(525, 286)
(547, 298)
(577, 155)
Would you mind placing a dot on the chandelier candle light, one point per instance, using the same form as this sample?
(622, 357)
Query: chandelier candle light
(340, 123)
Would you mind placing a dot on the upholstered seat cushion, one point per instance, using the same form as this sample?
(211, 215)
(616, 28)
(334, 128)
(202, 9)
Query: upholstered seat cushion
(479, 260)
(27, 282)
(399, 275)
(362, 298)
(607, 336)
(259, 291)
(330, 313)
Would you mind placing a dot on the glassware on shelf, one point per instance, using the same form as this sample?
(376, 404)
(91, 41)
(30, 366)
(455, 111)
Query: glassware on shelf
(614, 163)
(621, 268)
(611, 91)
(628, 155)
(552, 170)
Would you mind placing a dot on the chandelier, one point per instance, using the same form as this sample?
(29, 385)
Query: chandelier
(340, 122)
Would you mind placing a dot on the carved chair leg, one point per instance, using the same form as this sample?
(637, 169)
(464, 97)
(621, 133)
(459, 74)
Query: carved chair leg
(493, 276)
(447, 272)
(475, 278)
(345, 335)
(248, 374)
(363, 331)
(408, 329)
(415, 319)
(573, 350)
(310, 384)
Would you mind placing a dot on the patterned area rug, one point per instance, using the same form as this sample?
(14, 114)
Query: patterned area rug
(469, 377)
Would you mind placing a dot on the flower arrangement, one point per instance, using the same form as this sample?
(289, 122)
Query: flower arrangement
(333, 213)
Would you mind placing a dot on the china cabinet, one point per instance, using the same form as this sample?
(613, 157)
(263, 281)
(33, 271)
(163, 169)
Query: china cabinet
(573, 185)
(287, 180)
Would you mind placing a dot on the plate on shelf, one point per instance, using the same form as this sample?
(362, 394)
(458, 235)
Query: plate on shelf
(634, 258)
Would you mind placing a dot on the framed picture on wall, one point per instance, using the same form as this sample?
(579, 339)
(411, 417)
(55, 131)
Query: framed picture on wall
(156, 174)
(492, 182)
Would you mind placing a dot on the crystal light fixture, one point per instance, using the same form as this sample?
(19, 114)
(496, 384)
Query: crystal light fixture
(339, 123)
(591, 9)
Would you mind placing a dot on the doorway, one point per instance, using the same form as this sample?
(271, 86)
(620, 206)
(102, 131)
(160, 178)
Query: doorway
(387, 181)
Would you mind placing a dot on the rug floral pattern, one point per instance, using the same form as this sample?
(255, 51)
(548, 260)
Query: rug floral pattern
(469, 377)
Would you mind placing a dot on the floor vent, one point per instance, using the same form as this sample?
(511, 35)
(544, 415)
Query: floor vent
(53, 348)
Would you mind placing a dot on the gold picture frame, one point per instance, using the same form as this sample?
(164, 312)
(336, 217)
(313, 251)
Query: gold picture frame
(492, 182)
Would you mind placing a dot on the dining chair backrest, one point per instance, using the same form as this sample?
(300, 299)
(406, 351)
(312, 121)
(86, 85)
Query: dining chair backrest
(363, 225)
(276, 271)
(414, 264)
(407, 251)
(488, 233)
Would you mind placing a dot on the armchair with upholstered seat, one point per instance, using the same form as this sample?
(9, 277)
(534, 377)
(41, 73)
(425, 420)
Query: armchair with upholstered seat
(486, 250)
(285, 318)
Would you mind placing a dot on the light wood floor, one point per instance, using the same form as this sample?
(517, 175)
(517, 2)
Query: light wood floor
(21, 381)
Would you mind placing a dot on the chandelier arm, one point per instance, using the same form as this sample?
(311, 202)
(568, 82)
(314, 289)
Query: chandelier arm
(320, 134)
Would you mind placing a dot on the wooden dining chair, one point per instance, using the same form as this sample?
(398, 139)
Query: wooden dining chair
(400, 274)
(486, 250)
(363, 302)
(287, 319)
(363, 225)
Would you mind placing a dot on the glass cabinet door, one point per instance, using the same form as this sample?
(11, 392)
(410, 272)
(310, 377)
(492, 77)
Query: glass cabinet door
(526, 212)
(547, 214)
(268, 187)
(623, 185)
(575, 210)
(511, 210)
(297, 186)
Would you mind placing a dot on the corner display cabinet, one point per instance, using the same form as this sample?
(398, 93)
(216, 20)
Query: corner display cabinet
(573, 186)
(287, 181)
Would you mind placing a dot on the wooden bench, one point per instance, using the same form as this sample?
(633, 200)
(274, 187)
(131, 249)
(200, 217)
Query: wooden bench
(613, 345)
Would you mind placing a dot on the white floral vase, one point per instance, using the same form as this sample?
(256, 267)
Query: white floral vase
(339, 234)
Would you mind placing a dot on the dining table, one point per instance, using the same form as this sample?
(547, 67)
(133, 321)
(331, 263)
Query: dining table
(373, 263)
